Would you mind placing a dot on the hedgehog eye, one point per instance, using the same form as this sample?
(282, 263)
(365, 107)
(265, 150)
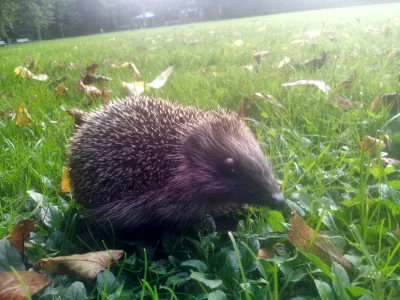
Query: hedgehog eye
(228, 166)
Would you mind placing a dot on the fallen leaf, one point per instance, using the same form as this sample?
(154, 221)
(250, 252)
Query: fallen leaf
(61, 90)
(137, 76)
(105, 95)
(65, 181)
(161, 79)
(386, 161)
(91, 69)
(267, 252)
(23, 72)
(40, 77)
(344, 103)
(260, 55)
(133, 89)
(306, 239)
(7, 114)
(11, 296)
(392, 100)
(58, 80)
(372, 145)
(269, 99)
(78, 116)
(346, 83)
(315, 63)
(22, 118)
(86, 266)
(33, 282)
(238, 43)
(376, 103)
(87, 89)
(21, 233)
(283, 62)
(317, 83)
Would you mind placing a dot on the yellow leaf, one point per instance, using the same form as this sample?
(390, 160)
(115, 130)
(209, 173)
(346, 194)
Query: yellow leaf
(23, 118)
(65, 182)
(376, 103)
(23, 72)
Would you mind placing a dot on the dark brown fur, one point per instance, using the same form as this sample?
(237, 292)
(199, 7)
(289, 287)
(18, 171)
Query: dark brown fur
(147, 162)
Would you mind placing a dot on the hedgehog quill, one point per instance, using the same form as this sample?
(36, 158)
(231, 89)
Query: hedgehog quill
(143, 162)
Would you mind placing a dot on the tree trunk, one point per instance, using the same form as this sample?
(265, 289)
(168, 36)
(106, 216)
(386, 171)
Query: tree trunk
(38, 33)
(62, 30)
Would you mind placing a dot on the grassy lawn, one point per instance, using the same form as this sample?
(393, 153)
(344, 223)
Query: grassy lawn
(313, 144)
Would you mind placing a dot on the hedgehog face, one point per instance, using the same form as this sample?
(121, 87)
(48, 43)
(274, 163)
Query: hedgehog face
(230, 167)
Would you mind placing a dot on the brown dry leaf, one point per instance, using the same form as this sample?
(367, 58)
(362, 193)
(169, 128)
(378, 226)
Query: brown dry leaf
(346, 83)
(376, 104)
(88, 90)
(344, 103)
(86, 266)
(34, 282)
(61, 90)
(91, 69)
(315, 63)
(7, 114)
(105, 95)
(11, 296)
(22, 118)
(392, 100)
(161, 79)
(133, 89)
(20, 233)
(260, 55)
(267, 252)
(317, 83)
(371, 145)
(65, 181)
(386, 161)
(246, 104)
(78, 115)
(59, 80)
(301, 235)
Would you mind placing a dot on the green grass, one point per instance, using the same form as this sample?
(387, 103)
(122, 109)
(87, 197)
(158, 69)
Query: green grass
(312, 143)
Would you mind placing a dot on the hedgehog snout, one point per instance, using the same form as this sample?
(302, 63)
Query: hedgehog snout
(277, 201)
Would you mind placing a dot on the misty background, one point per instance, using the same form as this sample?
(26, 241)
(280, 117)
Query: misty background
(50, 19)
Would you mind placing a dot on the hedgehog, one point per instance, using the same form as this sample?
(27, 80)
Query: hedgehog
(143, 162)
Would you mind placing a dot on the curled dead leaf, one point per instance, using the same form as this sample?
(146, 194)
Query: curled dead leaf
(260, 55)
(161, 79)
(33, 282)
(376, 103)
(105, 95)
(86, 266)
(346, 83)
(22, 118)
(267, 252)
(344, 103)
(372, 145)
(306, 239)
(88, 90)
(386, 161)
(21, 233)
(59, 80)
(324, 87)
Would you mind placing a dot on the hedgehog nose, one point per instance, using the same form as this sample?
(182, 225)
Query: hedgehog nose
(277, 201)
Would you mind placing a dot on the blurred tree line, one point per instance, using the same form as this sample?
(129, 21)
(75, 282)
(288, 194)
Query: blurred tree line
(48, 19)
